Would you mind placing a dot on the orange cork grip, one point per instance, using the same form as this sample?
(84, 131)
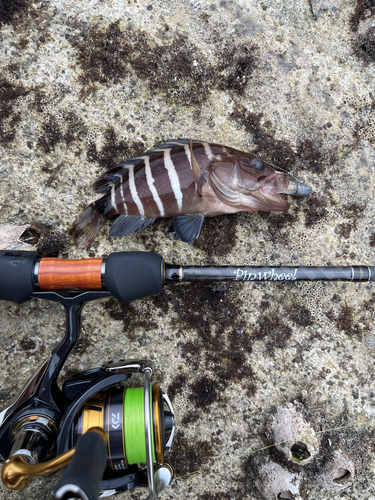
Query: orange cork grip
(64, 274)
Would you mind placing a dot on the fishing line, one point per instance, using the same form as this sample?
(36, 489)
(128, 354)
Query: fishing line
(295, 438)
(134, 426)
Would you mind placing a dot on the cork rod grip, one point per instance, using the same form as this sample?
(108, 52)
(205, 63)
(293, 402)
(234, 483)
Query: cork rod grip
(64, 274)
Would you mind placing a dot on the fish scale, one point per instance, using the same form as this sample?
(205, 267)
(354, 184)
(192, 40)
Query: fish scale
(187, 180)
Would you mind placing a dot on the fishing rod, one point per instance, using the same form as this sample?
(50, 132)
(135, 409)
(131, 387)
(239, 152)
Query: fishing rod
(45, 427)
(132, 275)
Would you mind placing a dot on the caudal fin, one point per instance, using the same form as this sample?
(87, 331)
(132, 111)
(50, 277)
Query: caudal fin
(87, 226)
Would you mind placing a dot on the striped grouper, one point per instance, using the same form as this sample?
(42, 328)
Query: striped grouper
(187, 180)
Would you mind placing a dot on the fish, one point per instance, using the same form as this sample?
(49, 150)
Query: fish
(187, 180)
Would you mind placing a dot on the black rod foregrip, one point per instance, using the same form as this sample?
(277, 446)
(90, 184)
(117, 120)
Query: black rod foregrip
(269, 273)
(85, 471)
(132, 275)
(17, 274)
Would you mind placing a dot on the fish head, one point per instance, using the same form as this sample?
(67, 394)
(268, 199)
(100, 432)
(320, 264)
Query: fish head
(251, 184)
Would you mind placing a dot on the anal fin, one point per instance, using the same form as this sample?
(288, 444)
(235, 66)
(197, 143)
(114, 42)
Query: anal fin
(188, 227)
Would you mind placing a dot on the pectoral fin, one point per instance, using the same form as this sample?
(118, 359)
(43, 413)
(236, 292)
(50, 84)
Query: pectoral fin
(126, 224)
(188, 227)
(197, 173)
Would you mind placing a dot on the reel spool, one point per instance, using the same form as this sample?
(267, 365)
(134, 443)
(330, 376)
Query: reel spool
(120, 412)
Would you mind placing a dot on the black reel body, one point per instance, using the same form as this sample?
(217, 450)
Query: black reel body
(44, 423)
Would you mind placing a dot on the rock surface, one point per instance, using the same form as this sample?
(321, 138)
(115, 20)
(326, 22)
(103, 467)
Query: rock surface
(87, 84)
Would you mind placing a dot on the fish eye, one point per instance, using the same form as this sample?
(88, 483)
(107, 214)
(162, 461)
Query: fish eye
(257, 163)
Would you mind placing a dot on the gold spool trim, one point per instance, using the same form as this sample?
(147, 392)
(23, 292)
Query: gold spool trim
(157, 423)
(93, 417)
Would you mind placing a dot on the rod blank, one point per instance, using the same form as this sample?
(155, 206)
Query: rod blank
(275, 273)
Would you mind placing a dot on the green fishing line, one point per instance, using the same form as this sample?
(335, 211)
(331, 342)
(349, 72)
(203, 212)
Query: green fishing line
(134, 426)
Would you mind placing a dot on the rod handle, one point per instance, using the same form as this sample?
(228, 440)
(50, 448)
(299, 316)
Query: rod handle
(64, 274)
(84, 472)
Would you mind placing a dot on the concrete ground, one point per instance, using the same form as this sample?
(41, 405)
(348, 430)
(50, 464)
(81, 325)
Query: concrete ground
(85, 85)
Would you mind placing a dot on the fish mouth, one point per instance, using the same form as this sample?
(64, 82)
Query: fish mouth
(270, 186)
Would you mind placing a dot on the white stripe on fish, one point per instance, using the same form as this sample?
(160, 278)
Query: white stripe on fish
(133, 191)
(173, 177)
(122, 193)
(150, 182)
(208, 150)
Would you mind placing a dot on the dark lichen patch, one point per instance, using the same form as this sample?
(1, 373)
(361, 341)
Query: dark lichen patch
(28, 344)
(205, 391)
(218, 235)
(104, 55)
(13, 11)
(300, 315)
(177, 384)
(314, 209)
(308, 155)
(364, 47)
(51, 241)
(353, 212)
(171, 69)
(52, 172)
(69, 131)
(113, 151)
(345, 321)
(221, 344)
(236, 68)
(189, 455)
(9, 120)
(129, 316)
(314, 158)
(83, 344)
(176, 67)
(278, 152)
(76, 129)
(51, 134)
(150, 237)
(364, 9)
(280, 223)
(272, 329)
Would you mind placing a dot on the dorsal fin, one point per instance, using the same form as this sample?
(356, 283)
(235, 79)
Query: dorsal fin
(117, 173)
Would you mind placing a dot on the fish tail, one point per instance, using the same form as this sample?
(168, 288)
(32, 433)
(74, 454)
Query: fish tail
(87, 226)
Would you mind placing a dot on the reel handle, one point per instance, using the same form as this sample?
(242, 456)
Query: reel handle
(83, 475)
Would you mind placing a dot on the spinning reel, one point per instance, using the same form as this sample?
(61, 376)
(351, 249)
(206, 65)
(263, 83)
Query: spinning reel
(40, 428)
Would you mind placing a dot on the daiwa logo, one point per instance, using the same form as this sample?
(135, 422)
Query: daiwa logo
(265, 276)
(115, 423)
